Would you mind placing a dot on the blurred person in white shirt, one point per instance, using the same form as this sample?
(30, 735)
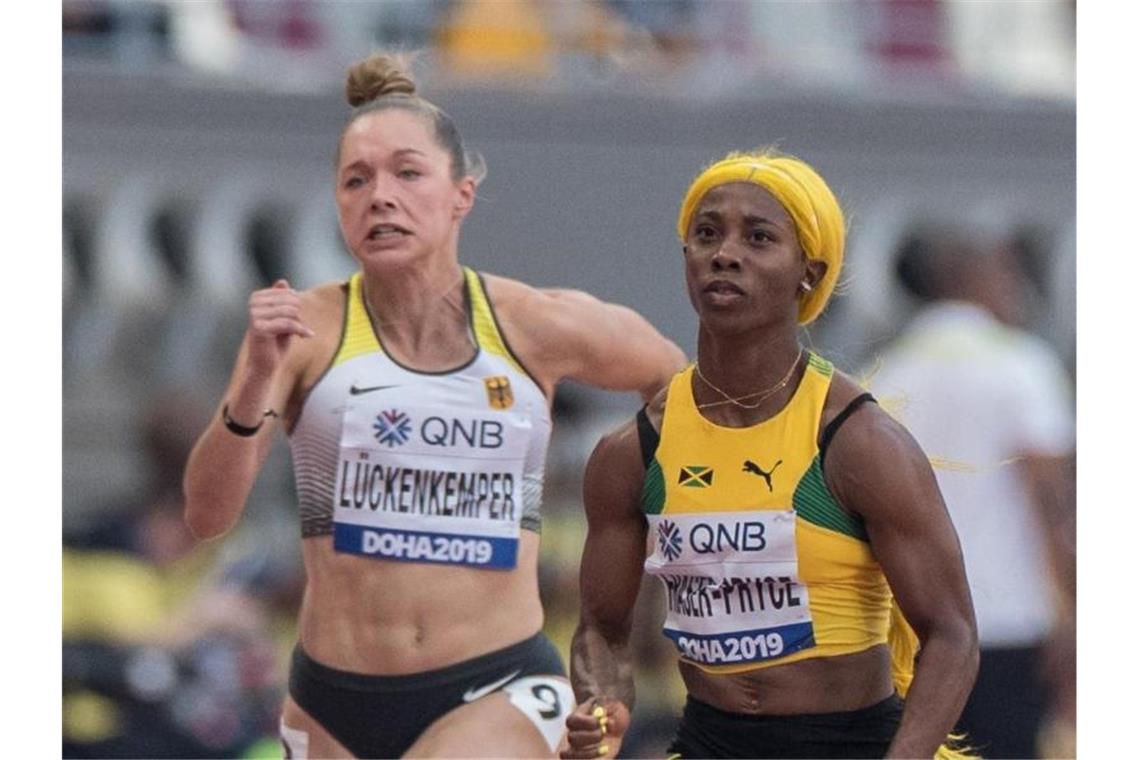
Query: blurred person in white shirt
(992, 406)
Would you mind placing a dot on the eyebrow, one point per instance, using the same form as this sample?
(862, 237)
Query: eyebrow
(360, 163)
(761, 220)
(748, 218)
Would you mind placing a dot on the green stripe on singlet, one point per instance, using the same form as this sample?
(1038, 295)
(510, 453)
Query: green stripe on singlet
(653, 490)
(813, 502)
(823, 366)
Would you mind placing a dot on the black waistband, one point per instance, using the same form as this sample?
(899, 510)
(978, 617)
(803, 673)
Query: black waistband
(302, 662)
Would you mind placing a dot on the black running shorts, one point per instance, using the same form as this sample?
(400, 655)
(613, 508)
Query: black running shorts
(706, 731)
(382, 716)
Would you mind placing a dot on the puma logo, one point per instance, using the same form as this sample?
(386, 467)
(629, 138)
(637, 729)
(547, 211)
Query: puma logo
(752, 467)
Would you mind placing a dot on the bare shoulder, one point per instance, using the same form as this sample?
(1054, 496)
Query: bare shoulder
(560, 333)
(529, 308)
(622, 445)
(326, 297)
(871, 457)
(844, 389)
(615, 474)
(867, 425)
(322, 310)
(540, 324)
(620, 451)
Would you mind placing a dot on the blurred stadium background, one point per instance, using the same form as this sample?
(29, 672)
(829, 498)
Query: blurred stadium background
(198, 141)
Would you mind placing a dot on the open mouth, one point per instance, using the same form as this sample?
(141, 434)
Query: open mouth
(387, 232)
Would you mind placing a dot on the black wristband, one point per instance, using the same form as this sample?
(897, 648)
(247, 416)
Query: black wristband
(239, 429)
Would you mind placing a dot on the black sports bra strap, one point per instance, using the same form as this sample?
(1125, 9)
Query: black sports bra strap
(833, 426)
(647, 437)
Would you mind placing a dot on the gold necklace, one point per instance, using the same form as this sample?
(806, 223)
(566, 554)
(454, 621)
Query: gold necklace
(737, 399)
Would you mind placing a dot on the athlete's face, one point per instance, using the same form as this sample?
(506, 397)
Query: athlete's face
(395, 195)
(744, 264)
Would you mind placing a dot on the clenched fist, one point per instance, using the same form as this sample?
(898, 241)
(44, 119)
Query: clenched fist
(595, 729)
(274, 318)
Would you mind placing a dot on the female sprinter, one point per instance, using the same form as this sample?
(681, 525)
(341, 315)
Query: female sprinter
(416, 401)
(781, 508)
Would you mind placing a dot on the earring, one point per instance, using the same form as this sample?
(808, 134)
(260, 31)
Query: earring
(685, 250)
(805, 286)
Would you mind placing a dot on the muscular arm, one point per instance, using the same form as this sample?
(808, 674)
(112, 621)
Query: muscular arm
(570, 334)
(222, 467)
(601, 667)
(877, 470)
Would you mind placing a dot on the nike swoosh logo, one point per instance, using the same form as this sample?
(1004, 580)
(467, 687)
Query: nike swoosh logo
(472, 694)
(357, 391)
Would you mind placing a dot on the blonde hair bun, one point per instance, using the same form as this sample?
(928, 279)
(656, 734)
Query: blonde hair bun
(378, 75)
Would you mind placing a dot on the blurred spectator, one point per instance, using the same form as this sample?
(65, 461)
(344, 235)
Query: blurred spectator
(149, 523)
(1023, 48)
(287, 23)
(669, 23)
(819, 41)
(909, 34)
(991, 405)
(205, 35)
(133, 33)
(482, 39)
(1027, 48)
(166, 652)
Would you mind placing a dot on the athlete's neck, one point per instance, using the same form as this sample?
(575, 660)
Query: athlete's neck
(746, 363)
(420, 309)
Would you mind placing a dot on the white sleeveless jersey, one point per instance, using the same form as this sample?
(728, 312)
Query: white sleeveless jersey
(441, 467)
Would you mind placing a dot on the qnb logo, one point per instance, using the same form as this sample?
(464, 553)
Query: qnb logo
(669, 539)
(715, 538)
(473, 434)
(392, 428)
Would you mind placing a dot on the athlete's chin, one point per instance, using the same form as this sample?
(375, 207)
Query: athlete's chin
(389, 254)
(727, 318)
(742, 317)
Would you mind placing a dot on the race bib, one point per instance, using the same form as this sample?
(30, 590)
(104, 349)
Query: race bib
(732, 591)
(430, 484)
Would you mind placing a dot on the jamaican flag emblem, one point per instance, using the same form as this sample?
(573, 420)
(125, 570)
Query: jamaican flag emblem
(499, 394)
(696, 476)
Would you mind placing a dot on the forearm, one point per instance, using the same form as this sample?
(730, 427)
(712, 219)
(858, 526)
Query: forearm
(942, 682)
(223, 466)
(601, 666)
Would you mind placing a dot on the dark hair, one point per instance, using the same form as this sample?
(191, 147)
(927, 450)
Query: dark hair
(915, 266)
(383, 81)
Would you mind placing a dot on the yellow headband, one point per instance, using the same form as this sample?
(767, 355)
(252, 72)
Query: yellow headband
(803, 194)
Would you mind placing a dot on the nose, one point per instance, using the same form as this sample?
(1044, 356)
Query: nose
(724, 258)
(383, 195)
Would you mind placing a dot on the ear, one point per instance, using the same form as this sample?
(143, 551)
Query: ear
(464, 196)
(814, 270)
